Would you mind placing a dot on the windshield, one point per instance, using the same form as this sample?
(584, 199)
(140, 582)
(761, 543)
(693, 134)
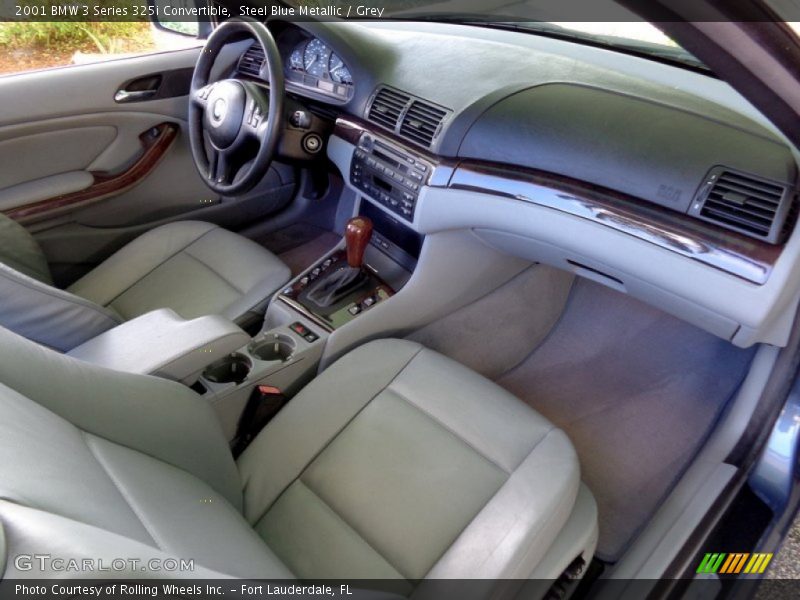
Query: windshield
(640, 37)
(547, 17)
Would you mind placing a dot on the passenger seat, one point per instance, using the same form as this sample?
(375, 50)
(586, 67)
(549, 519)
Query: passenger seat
(396, 463)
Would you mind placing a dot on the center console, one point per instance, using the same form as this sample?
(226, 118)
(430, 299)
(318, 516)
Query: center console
(212, 355)
(375, 262)
(284, 358)
(381, 247)
(389, 258)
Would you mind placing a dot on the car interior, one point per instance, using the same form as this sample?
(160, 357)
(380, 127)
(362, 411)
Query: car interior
(307, 302)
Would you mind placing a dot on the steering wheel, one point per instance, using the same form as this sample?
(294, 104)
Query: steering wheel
(234, 126)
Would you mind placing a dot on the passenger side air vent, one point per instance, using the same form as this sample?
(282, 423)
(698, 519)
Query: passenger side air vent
(744, 202)
(421, 122)
(251, 62)
(387, 106)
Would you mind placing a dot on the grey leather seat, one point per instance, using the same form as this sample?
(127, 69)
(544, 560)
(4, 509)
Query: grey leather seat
(395, 463)
(192, 267)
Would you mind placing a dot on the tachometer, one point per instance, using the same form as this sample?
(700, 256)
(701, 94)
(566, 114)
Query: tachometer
(315, 58)
(339, 72)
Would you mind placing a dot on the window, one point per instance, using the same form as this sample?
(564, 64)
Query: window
(27, 45)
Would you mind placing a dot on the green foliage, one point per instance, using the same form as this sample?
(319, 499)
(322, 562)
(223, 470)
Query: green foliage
(183, 27)
(105, 36)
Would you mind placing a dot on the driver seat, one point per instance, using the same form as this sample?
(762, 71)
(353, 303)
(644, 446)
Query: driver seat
(194, 268)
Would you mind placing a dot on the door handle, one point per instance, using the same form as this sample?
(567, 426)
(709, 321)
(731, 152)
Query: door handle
(139, 89)
(123, 96)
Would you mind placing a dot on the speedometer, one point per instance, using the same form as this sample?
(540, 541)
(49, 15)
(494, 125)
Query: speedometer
(315, 58)
(339, 72)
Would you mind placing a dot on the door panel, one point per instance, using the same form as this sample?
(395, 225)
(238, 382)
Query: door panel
(156, 142)
(37, 155)
(62, 133)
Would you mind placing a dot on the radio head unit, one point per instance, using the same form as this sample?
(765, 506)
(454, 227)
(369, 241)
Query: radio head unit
(389, 175)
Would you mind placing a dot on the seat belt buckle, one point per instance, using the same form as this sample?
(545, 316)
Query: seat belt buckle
(269, 390)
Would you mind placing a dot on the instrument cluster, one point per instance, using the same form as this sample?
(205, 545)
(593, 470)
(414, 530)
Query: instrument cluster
(312, 63)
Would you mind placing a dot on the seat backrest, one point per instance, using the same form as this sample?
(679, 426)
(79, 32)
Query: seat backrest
(47, 315)
(29, 303)
(99, 464)
(20, 251)
(161, 418)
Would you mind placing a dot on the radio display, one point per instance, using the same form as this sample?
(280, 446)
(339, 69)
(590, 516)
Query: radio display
(381, 183)
(391, 178)
(378, 154)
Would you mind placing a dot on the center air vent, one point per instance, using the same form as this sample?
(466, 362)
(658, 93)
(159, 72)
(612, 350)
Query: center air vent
(421, 122)
(412, 118)
(387, 107)
(744, 202)
(251, 62)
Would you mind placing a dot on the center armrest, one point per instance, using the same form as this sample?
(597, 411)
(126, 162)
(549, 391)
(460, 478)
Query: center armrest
(164, 344)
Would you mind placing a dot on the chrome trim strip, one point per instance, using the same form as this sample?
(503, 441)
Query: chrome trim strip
(730, 252)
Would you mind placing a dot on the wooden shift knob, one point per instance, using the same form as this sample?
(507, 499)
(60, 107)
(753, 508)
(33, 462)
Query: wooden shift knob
(357, 234)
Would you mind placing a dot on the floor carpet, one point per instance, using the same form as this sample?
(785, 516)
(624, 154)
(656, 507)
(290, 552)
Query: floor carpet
(289, 237)
(498, 331)
(299, 257)
(636, 390)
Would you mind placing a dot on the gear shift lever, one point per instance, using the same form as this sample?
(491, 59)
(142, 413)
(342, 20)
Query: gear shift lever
(332, 288)
(357, 234)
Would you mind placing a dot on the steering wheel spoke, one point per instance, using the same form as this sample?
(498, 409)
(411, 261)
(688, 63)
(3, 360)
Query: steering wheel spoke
(256, 123)
(219, 166)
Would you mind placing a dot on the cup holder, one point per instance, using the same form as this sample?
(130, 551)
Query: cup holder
(234, 368)
(273, 347)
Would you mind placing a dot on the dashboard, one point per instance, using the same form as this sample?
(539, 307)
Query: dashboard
(663, 181)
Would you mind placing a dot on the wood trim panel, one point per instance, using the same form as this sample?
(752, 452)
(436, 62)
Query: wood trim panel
(729, 251)
(155, 144)
(350, 129)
